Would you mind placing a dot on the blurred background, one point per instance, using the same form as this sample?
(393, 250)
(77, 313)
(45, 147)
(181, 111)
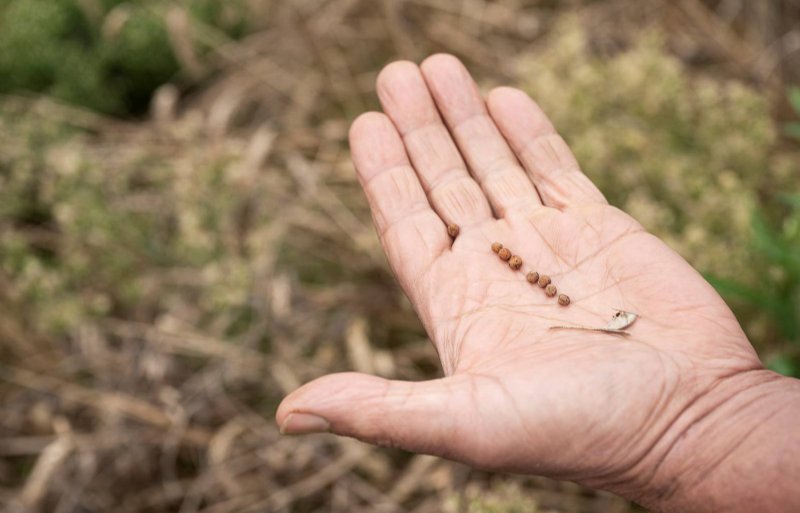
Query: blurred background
(182, 241)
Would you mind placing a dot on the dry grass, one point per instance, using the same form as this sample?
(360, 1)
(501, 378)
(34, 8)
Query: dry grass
(165, 403)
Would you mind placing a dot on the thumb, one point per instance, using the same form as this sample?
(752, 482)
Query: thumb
(415, 416)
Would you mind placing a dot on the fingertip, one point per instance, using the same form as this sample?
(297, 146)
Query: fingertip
(375, 144)
(502, 96)
(326, 400)
(404, 96)
(284, 409)
(451, 84)
(440, 61)
(398, 70)
(416, 416)
(507, 90)
(365, 123)
(321, 392)
(303, 424)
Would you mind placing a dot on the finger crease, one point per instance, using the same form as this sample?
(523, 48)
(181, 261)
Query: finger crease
(421, 209)
(399, 167)
(472, 117)
(451, 175)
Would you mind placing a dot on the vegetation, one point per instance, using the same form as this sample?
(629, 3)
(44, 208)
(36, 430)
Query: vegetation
(108, 55)
(775, 295)
(164, 281)
(684, 155)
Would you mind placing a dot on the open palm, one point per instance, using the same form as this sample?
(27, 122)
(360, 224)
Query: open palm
(598, 408)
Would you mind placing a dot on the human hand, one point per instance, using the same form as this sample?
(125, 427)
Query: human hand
(596, 408)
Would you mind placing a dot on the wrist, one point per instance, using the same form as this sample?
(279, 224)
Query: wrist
(729, 446)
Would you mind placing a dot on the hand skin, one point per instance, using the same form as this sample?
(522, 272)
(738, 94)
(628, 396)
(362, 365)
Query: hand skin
(679, 416)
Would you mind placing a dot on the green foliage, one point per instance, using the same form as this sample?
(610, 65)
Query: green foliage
(793, 129)
(777, 292)
(111, 60)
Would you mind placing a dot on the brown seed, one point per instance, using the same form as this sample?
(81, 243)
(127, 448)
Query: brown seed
(563, 299)
(544, 280)
(453, 230)
(550, 290)
(496, 247)
(532, 277)
(515, 262)
(504, 254)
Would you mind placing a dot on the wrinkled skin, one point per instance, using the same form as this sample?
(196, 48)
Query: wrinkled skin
(605, 410)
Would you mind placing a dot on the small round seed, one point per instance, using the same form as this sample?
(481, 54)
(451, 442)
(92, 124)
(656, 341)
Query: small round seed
(453, 230)
(544, 280)
(515, 262)
(532, 277)
(496, 247)
(504, 254)
(550, 290)
(563, 299)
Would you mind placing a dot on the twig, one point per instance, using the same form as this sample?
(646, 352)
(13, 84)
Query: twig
(117, 402)
(585, 328)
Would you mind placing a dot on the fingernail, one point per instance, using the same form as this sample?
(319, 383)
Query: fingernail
(304, 424)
